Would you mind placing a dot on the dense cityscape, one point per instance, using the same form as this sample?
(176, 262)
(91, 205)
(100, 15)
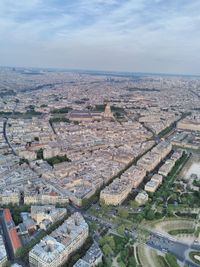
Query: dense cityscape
(99, 169)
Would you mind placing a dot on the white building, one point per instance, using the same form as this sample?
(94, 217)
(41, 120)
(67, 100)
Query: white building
(151, 186)
(142, 198)
(166, 168)
(47, 214)
(157, 178)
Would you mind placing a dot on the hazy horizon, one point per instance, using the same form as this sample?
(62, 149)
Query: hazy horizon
(99, 72)
(147, 36)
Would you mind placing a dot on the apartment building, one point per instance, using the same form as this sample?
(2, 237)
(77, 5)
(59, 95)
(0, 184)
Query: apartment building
(55, 249)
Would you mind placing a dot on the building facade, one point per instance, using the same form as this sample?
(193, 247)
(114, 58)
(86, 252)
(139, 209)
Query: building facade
(55, 249)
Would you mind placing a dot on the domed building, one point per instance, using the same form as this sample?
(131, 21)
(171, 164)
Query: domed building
(91, 115)
(108, 113)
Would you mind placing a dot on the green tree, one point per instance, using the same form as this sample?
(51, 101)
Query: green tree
(122, 264)
(40, 154)
(172, 261)
(108, 239)
(132, 262)
(150, 215)
(121, 229)
(107, 250)
(139, 217)
(124, 253)
(133, 204)
(123, 213)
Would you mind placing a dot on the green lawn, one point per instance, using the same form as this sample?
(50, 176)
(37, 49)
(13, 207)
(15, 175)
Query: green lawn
(181, 231)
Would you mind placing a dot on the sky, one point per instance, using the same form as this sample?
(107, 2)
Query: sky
(160, 36)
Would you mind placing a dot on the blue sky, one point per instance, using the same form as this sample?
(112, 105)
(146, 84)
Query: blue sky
(119, 35)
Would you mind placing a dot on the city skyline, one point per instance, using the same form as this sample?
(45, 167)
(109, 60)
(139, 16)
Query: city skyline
(94, 163)
(133, 36)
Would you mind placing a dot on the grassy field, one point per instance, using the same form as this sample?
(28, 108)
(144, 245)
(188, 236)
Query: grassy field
(181, 231)
(171, 226)
(149, 257)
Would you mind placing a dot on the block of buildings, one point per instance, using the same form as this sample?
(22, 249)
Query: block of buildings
(50, 151)
(190, 123)
(177, 155)
(120, 188)
(85, 115)
(163, 149)
(149, 161)
(55, 249)
(27, 154)
(82, 263)
(136, 174)
(151, 186)
(47, 215)
(115, 193)
(157, 178)
(166, 168)
(28, 225)
(92, 258)
(12, 232)
(152, 158)
(90, 115)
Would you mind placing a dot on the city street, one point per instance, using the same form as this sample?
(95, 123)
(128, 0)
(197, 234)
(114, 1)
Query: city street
(178, 249)
(8, 244)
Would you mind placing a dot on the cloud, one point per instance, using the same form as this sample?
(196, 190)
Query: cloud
(134, 35)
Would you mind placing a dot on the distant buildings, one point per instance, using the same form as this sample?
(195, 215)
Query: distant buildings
(186, 139)
(107, 112)
(86, 115)
(190, 123)
(27, 154)
(152, 158)
(90, 115)
(99, 144)
(55, 249)
(52, 150)
(120, 188)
